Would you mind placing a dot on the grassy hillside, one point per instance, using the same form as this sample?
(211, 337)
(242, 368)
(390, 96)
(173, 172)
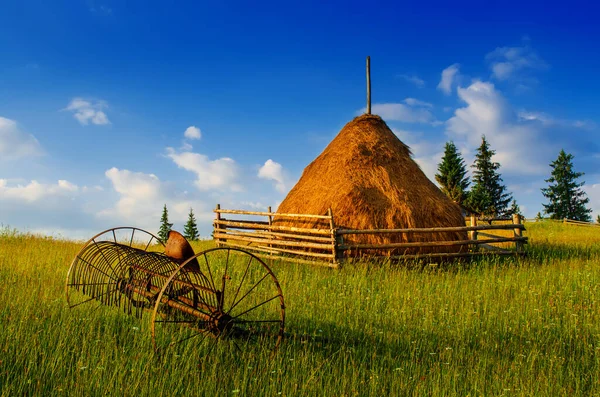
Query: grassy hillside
(494, 327)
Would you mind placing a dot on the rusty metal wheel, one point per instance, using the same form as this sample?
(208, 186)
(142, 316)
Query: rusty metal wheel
(103, 267)
(235, 301)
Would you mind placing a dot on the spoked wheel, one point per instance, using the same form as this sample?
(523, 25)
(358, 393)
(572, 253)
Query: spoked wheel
(101, 269)
(234, 302)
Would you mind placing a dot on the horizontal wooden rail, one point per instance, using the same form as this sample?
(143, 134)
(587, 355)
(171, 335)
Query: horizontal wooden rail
(488, 235)
(276, 235)
(580, 223)
(273, 214)
(433, 229)
(274, 242)
(243, 225)
(345, 247)
(266, 249)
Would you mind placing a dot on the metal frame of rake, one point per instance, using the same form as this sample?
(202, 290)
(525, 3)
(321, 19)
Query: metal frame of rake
(233, 297)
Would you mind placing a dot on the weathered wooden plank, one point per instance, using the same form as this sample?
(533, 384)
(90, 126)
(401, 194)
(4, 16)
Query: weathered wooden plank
(276, 250)
(432, 229)
(265, 226)
(488, 235)
(274, 242)
(274, 214)
(267, 234)
(345, 247)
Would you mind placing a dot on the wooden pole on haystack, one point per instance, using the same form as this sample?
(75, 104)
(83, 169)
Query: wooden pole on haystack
(368, 85)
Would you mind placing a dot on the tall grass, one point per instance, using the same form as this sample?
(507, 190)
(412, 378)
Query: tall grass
(494, 327)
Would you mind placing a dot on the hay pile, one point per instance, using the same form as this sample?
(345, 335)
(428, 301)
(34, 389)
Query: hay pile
(368, 178)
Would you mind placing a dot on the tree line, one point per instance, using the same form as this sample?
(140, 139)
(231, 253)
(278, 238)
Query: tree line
(488, 196)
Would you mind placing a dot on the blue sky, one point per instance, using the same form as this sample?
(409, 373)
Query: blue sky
(110, 109)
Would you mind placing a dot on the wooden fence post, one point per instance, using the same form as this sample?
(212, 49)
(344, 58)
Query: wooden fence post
(270, 230)
(516, 219)
(473, 233)
(217, 225)
(334, 249)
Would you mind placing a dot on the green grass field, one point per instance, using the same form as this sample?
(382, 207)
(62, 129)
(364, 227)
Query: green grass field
(524, 327)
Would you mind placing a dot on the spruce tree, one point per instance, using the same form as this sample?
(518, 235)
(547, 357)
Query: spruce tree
(598, 219)
(538, 216)
(165, 226)
(566, 198)
(190, 231)
(452, 174)
(488, 197)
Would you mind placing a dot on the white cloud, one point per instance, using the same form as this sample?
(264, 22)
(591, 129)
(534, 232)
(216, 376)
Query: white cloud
(416, 80)
(448, 76)
(87, 112)
(141, 199)
(273, 171)
(220, 174)
(401, 112)
(487, 113)
(35, 191)
(192, 132)
(507, 63)
(416, 102)
(14, 143)
(593, 193)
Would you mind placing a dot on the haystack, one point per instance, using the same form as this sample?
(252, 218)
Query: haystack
(367, 177)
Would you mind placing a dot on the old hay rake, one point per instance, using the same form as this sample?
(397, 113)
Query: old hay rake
(217, 295)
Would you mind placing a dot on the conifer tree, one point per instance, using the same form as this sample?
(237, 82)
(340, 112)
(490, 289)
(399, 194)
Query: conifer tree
(598, 219)
(452, 174)
(190, 231)
(488, 197)
(566, 198)
(165, 226)
(538, 216)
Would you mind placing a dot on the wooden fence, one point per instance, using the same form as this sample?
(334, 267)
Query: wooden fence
(564, 221)
(327, 246)
(579, 223)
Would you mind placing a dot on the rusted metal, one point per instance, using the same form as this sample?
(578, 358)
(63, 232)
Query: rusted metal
(226, 293)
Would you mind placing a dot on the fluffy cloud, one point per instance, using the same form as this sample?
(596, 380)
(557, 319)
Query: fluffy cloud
(35, 191)
(88, 112)
(192, 132)
(508, 63)
(15, 143)
(416, 80)
(401, 112)
(487, 113)
(141, 199)
(448, 77)
(593, 192)
(273, 171)
(219, 174)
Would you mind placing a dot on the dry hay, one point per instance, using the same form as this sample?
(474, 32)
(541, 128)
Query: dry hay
(367, 177)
